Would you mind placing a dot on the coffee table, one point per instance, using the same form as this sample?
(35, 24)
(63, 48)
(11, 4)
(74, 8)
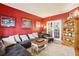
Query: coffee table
(38, 45)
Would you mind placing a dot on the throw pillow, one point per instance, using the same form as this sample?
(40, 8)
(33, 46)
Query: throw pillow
(9, 41)
(17, 39)
(24, 37)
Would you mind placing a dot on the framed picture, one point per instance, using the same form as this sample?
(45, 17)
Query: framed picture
(37, 24)
(7, 21)
(26, 23)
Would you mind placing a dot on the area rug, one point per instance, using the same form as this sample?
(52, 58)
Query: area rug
(56, 49)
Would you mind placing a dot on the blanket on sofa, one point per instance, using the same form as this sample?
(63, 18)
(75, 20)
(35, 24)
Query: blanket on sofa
(16, 50)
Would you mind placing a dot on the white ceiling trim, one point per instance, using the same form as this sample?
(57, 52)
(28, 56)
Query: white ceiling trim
(44, 9)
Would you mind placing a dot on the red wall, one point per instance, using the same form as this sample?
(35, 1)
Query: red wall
(62, 16)
(17, 15)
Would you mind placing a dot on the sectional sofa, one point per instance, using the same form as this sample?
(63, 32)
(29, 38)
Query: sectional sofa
(16, 45)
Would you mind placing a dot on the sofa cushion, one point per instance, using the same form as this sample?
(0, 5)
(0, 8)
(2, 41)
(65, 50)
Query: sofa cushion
(35, 35)
(17, 38)
(17, 50)
(26, 44)
(31, 36)
(9, 41)
(24, 37)
(2, 48)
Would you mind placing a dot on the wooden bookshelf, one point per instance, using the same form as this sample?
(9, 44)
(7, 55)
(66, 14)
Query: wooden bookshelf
(71, 32)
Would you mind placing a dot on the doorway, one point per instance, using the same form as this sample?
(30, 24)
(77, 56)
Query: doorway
(54, 28)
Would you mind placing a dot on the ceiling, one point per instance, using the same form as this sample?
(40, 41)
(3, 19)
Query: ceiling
(44, 9)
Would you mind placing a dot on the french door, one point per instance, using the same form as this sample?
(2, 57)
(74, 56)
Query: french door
(54, 29)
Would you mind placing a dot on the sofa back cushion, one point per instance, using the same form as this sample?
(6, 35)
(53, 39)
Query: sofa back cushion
(9, 41)
(31, 36)
(24, 37)
(35, 35)
(17, 38)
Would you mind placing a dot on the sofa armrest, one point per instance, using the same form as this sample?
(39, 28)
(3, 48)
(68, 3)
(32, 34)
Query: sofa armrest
(44, 35)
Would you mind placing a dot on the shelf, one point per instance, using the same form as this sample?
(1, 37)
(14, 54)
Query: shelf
(70, 30)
